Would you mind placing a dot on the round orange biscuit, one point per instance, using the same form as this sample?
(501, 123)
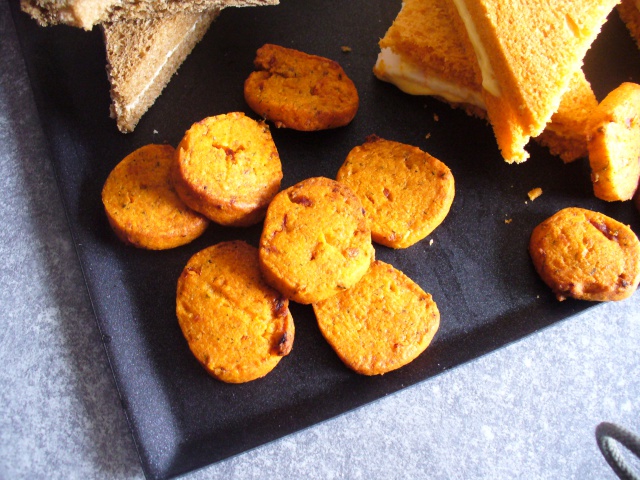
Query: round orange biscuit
(143, 208)
(586, 255)
(300, 91)
(613, 134)
(237, 327)
(315, 241)
(381, 324)
(405, 192)
(228, 169)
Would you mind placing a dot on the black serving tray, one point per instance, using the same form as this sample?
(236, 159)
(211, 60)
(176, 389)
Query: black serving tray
(477, 268)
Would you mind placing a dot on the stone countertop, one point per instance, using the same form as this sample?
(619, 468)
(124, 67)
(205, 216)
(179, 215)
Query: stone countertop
(528, 410)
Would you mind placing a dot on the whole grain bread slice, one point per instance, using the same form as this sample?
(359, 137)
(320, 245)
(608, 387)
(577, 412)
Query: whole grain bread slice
(88, 13)
(142, 56)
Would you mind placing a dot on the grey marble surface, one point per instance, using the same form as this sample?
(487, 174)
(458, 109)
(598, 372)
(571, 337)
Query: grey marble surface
(526, 411)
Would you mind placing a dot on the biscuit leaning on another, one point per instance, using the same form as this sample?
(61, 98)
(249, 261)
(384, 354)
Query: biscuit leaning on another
(315, 241)
(381, 324)
(300, 91)
(228, 169)
(143, 208)
(236, 326)
(613, 134)
(586, 255)
(406, 192)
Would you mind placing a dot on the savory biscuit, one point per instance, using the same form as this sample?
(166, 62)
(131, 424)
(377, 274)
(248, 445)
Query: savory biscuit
(406, 192)
(300, 91)
(382, 323)
(315, 241)
(143, 208)
(586, 255)
(613, 134)
(237, 327)
(228, 169)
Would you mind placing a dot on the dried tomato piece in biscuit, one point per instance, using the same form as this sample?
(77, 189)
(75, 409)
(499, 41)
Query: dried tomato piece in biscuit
(613, 134)
(405, 192)
(300, 91)
(586, 255)
(382, 323)
(228, 169)
(315, 241)
(141, 205)
(236, 326)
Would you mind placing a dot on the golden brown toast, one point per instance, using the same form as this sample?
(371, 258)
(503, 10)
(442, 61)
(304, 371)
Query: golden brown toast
(527, 54)
(422, 54)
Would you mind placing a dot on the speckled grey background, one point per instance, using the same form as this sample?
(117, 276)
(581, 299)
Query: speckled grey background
(526, 411)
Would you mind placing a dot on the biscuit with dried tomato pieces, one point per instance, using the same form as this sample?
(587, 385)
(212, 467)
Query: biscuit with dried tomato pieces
(236, 326)
(300, 91)
(141, 205)
(381, 324)
(613, 134)
(405, 192)
(228, 169)
(315, 241)
(586, 255)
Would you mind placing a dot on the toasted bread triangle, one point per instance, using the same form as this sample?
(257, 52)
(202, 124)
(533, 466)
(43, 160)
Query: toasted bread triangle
(528, 51)
(422, 54)
(143, 55)
(88, 13)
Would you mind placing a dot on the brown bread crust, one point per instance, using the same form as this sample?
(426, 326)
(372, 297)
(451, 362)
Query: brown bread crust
(141, 205)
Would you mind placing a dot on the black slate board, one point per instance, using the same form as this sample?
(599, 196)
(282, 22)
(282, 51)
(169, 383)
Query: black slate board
(477, 267)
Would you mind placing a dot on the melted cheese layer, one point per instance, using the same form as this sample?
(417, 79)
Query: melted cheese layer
(393, 68)
(489, 80)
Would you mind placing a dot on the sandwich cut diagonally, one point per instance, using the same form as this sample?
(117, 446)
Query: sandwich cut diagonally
(527, 52)
(422, 54)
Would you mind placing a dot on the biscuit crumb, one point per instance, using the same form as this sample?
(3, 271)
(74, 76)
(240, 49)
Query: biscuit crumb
(431, 242)
(534, 193)
(508, 220)
(345, 49)
(427, 136)
(436, 118)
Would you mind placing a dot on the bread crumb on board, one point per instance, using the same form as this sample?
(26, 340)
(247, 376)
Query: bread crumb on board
(534, 193)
